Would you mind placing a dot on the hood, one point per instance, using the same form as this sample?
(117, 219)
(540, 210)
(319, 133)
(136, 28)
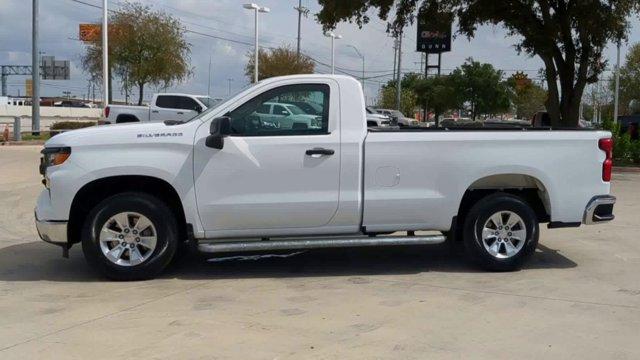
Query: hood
(122, 134)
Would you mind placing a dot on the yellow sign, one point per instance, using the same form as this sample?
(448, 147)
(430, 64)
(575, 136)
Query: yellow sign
(28, 87)
(90, 32)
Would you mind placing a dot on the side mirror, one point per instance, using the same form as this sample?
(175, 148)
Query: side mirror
(198, 109)
(220, 127)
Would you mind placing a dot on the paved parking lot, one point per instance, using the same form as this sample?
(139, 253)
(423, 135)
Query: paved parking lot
(579, 297)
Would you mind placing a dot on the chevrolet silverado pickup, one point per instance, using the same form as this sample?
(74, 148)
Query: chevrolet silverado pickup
(176, 107)
(230, 180)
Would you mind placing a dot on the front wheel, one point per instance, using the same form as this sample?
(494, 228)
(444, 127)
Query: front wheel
(130, 236)
(501, 232)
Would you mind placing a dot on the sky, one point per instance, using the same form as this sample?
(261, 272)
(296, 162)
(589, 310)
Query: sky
(230, 30)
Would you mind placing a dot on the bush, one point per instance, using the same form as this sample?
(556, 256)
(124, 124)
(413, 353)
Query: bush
(71, 125)
(635, 151)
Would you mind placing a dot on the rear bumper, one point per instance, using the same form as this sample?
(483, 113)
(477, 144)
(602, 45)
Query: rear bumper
(599, 210)
(53, 232)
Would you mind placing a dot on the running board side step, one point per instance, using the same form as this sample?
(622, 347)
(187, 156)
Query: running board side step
(318, 243)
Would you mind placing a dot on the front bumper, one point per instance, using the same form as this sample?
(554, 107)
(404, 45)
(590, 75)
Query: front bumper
(599, 210)
(54, 232)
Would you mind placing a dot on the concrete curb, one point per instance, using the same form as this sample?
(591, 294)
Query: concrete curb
(21, 143)
(626, 169)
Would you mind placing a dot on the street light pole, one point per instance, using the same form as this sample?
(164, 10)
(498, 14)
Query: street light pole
(333, 53)
(256, 8)
(209, 82)
(616, 105)
(105, 55)
(35, 73)
(361, 56)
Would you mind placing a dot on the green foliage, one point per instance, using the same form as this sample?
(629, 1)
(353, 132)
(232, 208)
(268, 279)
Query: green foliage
(481, 87)
(145, 47)
(527, 100)
(624, 149)
(568, 36)
(408, 98)
(278, 62)
(71, 125)
(440, 93)
(630, 79)
(634, 152)
(387, 99)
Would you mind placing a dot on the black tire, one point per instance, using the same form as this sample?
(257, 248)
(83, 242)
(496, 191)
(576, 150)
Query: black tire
(474, 223)
(156, 211)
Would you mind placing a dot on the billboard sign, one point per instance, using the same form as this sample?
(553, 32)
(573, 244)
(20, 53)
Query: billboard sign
(90, 32)
(53, 69)
(434, 32)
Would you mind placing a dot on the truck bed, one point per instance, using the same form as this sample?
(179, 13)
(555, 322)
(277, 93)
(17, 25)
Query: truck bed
(417, 177)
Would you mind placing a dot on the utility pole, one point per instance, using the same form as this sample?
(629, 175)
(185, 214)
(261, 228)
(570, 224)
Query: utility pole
(209, 82)
(105, 55)
(35, 73)
(395, 56)
(399, 79)
(229, 80)
(617, 93)
(301, 11)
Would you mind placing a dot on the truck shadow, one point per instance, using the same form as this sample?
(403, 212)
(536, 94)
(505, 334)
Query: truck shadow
(36, 261)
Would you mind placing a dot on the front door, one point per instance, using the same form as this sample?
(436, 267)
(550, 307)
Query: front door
(270, 176)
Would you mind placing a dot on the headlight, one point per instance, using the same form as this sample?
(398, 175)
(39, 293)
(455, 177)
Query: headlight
(53, 156)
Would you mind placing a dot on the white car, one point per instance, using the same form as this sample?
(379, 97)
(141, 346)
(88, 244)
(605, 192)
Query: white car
(130, 194)
(286, 116)
(165, 106)
(398, 118)
(376, 120)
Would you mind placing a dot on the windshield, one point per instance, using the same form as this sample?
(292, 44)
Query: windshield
(207, 101)
(220, 103)
(397, 113)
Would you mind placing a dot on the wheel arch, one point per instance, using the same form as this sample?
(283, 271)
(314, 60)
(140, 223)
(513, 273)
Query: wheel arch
(97, 190)
(528, 187)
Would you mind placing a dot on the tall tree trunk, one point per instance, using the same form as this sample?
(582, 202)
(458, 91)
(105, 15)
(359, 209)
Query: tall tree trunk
(141, 87)
(553, 95)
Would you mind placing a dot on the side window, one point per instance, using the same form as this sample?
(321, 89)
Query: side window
(252, 118)
(280, 110)
(188, 103)
(264, 109)
(168, 101)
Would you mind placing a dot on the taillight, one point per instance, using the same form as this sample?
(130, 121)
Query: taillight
(606, 145)
(106, 111)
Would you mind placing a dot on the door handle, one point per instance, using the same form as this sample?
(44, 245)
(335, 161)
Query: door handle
(180, 113)
(318, 152)
(154, 111)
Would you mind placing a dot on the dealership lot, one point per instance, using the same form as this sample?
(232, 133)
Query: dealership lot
(579, 297)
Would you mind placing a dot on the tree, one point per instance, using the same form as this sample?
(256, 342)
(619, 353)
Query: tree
(145, 47)
(630, 79)
(481, 87)
(440, 93)
(408, 98)
(278, 62)
(527, 97)
(569, 36)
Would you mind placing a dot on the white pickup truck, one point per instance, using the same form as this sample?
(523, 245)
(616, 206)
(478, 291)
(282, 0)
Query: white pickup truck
(165, 106)
(226, 181)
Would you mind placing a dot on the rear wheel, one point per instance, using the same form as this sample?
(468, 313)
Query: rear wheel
(501, 232)
(130, 236)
